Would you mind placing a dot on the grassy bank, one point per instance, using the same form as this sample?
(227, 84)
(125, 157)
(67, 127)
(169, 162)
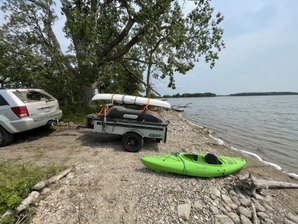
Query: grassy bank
(77, 116)
(17, 181)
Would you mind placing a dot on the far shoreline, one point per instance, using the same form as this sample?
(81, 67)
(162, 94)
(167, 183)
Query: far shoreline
(209, 94)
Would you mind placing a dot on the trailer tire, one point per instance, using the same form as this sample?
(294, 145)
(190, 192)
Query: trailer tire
(132, 142)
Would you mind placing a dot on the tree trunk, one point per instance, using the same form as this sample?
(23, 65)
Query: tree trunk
(87, 94)
(148, 86)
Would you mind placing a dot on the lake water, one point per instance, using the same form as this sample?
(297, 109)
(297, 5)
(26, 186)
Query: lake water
(265, 125)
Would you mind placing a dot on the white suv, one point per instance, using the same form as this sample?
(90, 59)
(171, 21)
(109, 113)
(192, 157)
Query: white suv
(25, 109)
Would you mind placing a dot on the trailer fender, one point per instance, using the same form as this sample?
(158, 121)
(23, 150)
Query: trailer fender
(135, 131)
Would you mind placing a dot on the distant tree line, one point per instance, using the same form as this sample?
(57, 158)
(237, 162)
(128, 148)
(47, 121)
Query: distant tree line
(263, 93)
(191, 95)
(178, 95)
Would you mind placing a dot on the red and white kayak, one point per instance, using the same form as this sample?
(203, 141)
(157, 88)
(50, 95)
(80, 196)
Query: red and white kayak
(127, 99)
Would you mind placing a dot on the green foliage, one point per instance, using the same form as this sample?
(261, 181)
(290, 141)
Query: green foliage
(9, 219)
(191, 95)
(112, 43)
(264, 94)
(17, 181)
(77, 116)
(180, 40)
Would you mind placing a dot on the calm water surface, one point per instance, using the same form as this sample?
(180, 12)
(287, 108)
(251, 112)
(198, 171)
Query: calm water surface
(265, 125)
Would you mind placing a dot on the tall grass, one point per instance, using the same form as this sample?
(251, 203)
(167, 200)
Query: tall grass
(17, 181)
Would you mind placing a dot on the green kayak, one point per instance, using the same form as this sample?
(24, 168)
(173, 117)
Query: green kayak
(199, 165)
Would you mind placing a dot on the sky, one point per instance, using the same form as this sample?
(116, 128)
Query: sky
(261, 54)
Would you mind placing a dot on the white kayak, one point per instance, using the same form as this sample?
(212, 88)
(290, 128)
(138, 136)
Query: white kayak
(127, 99)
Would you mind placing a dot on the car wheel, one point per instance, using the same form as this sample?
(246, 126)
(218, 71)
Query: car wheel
(5, 137)
(132, 142)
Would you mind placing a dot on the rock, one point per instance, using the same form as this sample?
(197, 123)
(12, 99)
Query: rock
(259, 197)
(236, 200)
(244, 220)
(46, 190)
(244, 211)
(216, 202)
(184, 211)
(234, 217)
(245, 202)
(198, 205)
(262, 215)
(286, 221)
(223, 219)
(259, 207)
(70, 175)
(223, 210)
(214, 210)
(228, 201)
(268, 221)
(215, 192)
(243, 176)
(292, 217)
(227, 208)
(268, 198)
(268, 207)
(233, 193)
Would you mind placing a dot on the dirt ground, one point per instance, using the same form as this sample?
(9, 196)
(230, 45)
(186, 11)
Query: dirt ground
(110, 185)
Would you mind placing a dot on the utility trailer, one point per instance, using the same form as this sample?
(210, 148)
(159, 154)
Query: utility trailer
(132, 124)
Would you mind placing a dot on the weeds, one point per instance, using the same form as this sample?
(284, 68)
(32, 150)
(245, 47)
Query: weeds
(17, 181)
(76, 116)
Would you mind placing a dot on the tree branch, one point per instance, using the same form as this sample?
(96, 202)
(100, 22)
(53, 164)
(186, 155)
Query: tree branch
(254, 184)
(40, 3)
(48, 20)
(118, 39)
(130, 72)
(127, 47)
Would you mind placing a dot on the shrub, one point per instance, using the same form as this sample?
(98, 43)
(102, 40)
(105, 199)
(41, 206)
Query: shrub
(17, 181)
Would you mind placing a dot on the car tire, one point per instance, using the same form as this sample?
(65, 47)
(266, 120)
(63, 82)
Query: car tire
(132, 142)
(5, 137)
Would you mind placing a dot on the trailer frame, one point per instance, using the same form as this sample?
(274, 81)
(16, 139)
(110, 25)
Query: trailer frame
(133, 132)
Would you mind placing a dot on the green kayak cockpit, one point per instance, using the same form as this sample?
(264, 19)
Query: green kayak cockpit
(202, 158)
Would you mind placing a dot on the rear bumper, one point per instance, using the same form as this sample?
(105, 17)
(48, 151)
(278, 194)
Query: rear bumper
(28, 123)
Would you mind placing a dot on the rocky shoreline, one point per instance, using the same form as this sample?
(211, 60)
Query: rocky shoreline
(222, 200)
(109, 185)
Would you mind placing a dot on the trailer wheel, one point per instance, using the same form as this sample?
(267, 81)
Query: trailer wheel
(132, 142)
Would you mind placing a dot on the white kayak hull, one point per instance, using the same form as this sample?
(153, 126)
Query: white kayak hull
(127, 99)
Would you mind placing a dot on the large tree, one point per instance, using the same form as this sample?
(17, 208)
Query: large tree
(112, 42)
(175, 46)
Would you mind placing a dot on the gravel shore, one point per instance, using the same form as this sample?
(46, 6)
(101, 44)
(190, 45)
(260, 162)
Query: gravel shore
(110, 185)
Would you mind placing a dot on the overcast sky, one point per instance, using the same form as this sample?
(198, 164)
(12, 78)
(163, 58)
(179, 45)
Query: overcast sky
(261, 53)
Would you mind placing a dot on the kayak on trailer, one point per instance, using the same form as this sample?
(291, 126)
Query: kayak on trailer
(127, 99)
(199, 165)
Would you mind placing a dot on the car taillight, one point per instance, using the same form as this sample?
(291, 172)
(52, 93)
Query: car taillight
(20, 111)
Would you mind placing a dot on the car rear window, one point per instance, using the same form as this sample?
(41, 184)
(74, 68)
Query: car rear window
(28, 96)
(2, 101)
